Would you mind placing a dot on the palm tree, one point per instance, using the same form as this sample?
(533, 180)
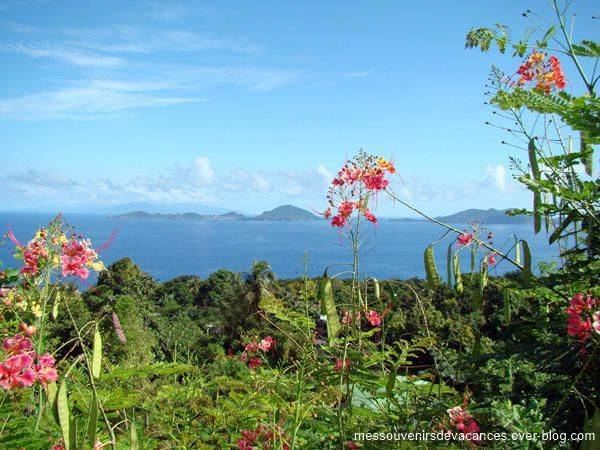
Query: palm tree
(257, 283)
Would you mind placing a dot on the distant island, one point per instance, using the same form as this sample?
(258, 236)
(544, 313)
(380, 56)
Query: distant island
(281, 213)
(488, 216)
(291, 213)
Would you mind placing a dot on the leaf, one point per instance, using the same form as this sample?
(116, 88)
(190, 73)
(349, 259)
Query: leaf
(549, 33)
(526, 257)
(327, 300)
(457, 276)
(56, 304)
(97, 354)
(433, 278)
(533, 162)
(587, 153)
(92, 420)
(391, 383)
(62, 406)
(537, 216)
(517, 251)
(377, 290)
(562, 226)
(133, 439)
(587, 48)
(449, 264)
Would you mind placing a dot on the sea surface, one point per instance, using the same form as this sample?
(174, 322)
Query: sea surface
(169, 248)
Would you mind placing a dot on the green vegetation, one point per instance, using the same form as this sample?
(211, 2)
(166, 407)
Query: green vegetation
(249, 361)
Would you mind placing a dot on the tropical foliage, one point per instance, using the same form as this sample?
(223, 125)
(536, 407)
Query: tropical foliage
(249, 361)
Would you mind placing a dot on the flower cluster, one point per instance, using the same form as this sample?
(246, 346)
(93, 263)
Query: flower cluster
(251, 351)
(547, 74)
(23, 366)
(581, 319)
(464, 239)
(261, 437)
(463, 422)
(77, 257)
(371, 316)
(35, 254)
(350, 191)
(50, 248)
(341, 365)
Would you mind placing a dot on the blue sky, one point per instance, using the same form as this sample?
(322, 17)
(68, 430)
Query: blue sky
(248, 105)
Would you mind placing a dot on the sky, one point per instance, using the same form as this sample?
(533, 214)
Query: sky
(249, 105)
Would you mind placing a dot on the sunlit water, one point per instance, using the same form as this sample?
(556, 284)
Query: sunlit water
(168, 248)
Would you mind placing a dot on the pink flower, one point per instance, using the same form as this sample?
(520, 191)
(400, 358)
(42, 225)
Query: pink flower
(44, 370)
(33, 255)
(463, 422)
(16, 372)
(373, 318)
(17, 344)
(375, 181)
(266, 344)
(350, 175)
(370, 216)
(596, 323)
(464, 239)
(580, 304)
(76, 256)
(341, 365)
(347, 317)
(251, 347)
(491, 259)
(13, 239)
(327, 213)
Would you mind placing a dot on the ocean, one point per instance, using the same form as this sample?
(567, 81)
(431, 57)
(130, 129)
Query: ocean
(169, 248)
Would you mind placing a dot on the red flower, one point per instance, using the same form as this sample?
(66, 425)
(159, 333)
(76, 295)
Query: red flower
(578, 327)
(338, 221)
(375, 181)
(253, 363)
(341, 365)
(580, 304)
(491, 259)
(370, 216)
(327, 213)
(345, 209)
(464, 239)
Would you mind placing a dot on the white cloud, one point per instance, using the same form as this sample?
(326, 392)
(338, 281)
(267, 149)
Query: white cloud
(194, 181)
(203, 174)
(91, 100)
(70, 56)
(496, 176)
(325, 173)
